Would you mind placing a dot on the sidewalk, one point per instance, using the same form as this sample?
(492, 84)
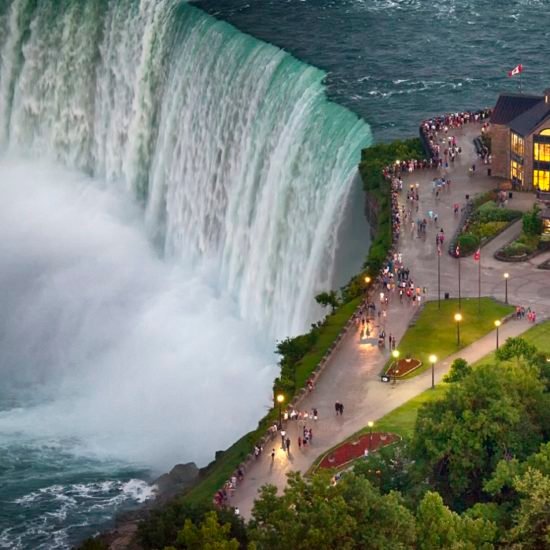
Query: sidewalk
(352, 377)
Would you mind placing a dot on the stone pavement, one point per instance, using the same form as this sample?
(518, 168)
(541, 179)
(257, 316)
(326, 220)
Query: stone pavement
(352, 376)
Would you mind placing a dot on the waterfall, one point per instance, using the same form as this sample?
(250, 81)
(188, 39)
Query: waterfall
(229, 143)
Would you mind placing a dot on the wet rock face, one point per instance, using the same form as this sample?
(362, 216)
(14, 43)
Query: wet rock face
(180, 477)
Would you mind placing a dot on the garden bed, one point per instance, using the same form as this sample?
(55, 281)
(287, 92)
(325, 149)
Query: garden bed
(403, 367)
(352, 450)
(482, 221)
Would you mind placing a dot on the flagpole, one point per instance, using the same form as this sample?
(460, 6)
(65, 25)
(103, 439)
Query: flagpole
(438, 277)
(479, 286)
(459, 292)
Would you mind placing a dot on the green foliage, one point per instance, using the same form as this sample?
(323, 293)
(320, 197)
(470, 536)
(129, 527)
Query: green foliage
(316, 514)
(459, 370)
(483, 198)
(496, 411)
(164, 526)
(532, 223)
(328, 299)
(208, 535)
(468, 243)
(515, 250)
(489, 212)
(516, 348)
(437, 527)
(373, 161)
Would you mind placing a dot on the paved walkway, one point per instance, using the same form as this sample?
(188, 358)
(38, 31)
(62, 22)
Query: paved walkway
(352, 376)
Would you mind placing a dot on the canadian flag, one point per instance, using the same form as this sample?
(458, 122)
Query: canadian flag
(477, 255)
(516, 70)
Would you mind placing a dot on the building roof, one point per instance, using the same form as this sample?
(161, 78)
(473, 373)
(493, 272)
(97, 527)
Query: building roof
(510, 106)
(525, 123)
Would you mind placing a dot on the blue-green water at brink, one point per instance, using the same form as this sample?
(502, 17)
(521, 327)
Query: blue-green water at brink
(173, 197)
(395, 62)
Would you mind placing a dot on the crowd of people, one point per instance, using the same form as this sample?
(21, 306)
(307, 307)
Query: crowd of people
(430, 130)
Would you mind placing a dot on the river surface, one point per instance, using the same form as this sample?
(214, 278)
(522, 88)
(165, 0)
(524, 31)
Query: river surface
(395, 62)
(175, 191)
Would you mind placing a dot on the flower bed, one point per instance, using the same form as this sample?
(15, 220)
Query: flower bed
(482, 223)
(352, 450)
(402, 367)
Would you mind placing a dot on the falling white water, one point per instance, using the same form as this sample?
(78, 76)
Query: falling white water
(240, 167)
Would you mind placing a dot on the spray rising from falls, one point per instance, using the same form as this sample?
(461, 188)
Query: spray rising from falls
(239, 162)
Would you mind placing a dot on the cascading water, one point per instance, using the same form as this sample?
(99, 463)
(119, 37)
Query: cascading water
(240, 169)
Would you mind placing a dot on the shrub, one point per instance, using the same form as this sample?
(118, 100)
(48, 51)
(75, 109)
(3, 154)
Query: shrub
(468, 243)
(491, 213)
(532, 223)
(515, 249)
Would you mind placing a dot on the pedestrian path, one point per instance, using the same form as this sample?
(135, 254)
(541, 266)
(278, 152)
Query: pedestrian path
(352, 376)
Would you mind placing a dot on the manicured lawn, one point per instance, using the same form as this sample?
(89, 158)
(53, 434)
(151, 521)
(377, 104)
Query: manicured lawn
(434, 331)
(403, 419)
(539, 336)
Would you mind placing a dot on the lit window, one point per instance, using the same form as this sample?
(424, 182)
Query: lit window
(517, 144)
(542, 152)
(545, 132)
(541, 179)
(516, 171)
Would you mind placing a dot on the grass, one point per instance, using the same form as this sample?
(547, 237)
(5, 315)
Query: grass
(403, 419)
(434, 331)
(219, 471)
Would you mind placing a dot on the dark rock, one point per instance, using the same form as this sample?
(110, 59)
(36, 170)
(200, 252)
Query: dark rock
(180, 477)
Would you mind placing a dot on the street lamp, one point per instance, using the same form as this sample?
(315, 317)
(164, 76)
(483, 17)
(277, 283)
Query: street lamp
(497, 324)
(458, 318)
(506, 277)
(433, 360)
(280, 399)
(395, 355)
(370, 424)
(367, 283)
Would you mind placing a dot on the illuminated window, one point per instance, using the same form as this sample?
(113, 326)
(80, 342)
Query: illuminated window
(516, 171)
(517, 144)
(545, 132)
(542, 152)
(541, 179)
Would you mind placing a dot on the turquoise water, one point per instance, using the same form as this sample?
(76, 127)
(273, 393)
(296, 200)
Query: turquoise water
(173, 196)
(395, 62)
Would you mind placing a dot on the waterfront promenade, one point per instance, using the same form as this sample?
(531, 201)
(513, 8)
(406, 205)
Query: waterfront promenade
(352, 375)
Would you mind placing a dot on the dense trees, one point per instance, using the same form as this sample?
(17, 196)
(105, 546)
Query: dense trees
(476, 475)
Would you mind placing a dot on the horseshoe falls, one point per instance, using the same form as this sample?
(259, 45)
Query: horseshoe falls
(173, 192)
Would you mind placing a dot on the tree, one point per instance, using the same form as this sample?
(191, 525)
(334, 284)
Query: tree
(438, 527)
(531, 221)
(208, 535)
(328, 299)
(532, 520)
(497, 411)
(317, 514)
(518, 348)
(459, 370)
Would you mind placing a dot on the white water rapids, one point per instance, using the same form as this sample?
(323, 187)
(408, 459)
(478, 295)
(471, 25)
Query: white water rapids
(140, 302)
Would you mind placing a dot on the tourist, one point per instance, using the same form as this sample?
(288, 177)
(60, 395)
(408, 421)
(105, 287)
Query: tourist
(272, 455)
(299, 442)
(287, 444)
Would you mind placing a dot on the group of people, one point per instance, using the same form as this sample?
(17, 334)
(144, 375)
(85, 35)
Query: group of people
(430, 129)
(522, 312)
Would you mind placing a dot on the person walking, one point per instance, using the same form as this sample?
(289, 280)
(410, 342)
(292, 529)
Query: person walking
(272, 455)
(287, 445)
(299, 442)
(337, 407)
(341, 409)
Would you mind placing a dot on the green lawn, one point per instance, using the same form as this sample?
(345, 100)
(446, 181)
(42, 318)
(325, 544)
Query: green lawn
(539, 336)
(403, 419)
(434, 331)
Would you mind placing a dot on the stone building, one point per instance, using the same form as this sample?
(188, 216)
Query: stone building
(520, 140)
